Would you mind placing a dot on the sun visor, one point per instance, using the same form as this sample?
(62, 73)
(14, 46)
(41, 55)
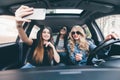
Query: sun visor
(95, 6)
(41, 4)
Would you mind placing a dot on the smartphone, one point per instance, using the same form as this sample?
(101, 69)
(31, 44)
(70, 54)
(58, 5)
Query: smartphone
(38, 14)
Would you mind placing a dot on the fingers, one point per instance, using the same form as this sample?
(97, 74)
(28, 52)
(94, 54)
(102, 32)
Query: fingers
(78, 57)
(112, 36)
(18, 20)
(108, 37)
(23, 7)
(22, 12)
(48, 44)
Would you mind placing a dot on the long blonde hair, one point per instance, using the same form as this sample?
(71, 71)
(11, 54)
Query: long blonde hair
(39, 50)
(83, 44)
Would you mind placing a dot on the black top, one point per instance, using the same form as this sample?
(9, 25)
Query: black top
(31, 60)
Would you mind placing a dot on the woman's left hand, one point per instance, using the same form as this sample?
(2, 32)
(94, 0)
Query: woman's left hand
(111, 36)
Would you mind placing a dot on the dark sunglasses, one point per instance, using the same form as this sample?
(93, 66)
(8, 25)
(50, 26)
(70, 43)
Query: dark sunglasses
(77, 32)
(64, 29)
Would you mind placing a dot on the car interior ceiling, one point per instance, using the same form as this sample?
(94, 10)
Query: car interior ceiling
(51, 4)
(75, 19)
(102, 8)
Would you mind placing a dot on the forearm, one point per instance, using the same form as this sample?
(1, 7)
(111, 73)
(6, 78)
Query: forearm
(19, 14)
(56, 55)
(23, 35)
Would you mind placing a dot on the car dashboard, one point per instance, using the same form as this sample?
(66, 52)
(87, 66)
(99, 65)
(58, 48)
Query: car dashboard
(61, 73)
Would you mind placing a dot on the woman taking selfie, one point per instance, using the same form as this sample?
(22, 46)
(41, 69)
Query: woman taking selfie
(43, 52)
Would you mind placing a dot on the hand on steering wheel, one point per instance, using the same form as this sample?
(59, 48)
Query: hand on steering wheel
(105, 44)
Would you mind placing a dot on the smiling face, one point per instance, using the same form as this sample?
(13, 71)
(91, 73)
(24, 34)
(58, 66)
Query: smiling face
(77, 33)
(46, 34)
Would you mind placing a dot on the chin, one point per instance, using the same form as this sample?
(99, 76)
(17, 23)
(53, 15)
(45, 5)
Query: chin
(76, 38)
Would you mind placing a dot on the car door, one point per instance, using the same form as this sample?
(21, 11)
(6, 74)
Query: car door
(9, 48)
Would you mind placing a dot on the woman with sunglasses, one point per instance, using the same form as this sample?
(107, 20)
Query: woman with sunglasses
(43, 52)
(79, 47)
(60, 44)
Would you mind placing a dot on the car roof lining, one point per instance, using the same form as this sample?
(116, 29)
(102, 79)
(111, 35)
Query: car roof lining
(103, 6)
(91, 6)
(78, 4)
(56, 3)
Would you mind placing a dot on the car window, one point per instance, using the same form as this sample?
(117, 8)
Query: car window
(109, 24)
(87, 31)
(8, 31)
(34, 31)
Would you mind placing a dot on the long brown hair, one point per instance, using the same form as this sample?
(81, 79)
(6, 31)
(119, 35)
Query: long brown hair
(83, 44)
(39, 50)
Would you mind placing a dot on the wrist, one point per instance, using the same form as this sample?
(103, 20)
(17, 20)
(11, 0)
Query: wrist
(53, 47)
(18, 24)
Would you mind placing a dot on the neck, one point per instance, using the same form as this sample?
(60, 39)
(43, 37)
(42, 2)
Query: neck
(77, 41)
(61, 36)
(45, 41)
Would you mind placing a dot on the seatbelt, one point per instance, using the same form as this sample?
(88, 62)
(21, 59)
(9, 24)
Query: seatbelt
(27, 55)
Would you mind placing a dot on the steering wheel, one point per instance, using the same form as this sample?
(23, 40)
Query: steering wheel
(100, 47)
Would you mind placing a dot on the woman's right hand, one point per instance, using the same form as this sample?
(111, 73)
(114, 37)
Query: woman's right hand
(22, 12)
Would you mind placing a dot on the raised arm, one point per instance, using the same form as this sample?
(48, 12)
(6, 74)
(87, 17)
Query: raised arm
(19, 14)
